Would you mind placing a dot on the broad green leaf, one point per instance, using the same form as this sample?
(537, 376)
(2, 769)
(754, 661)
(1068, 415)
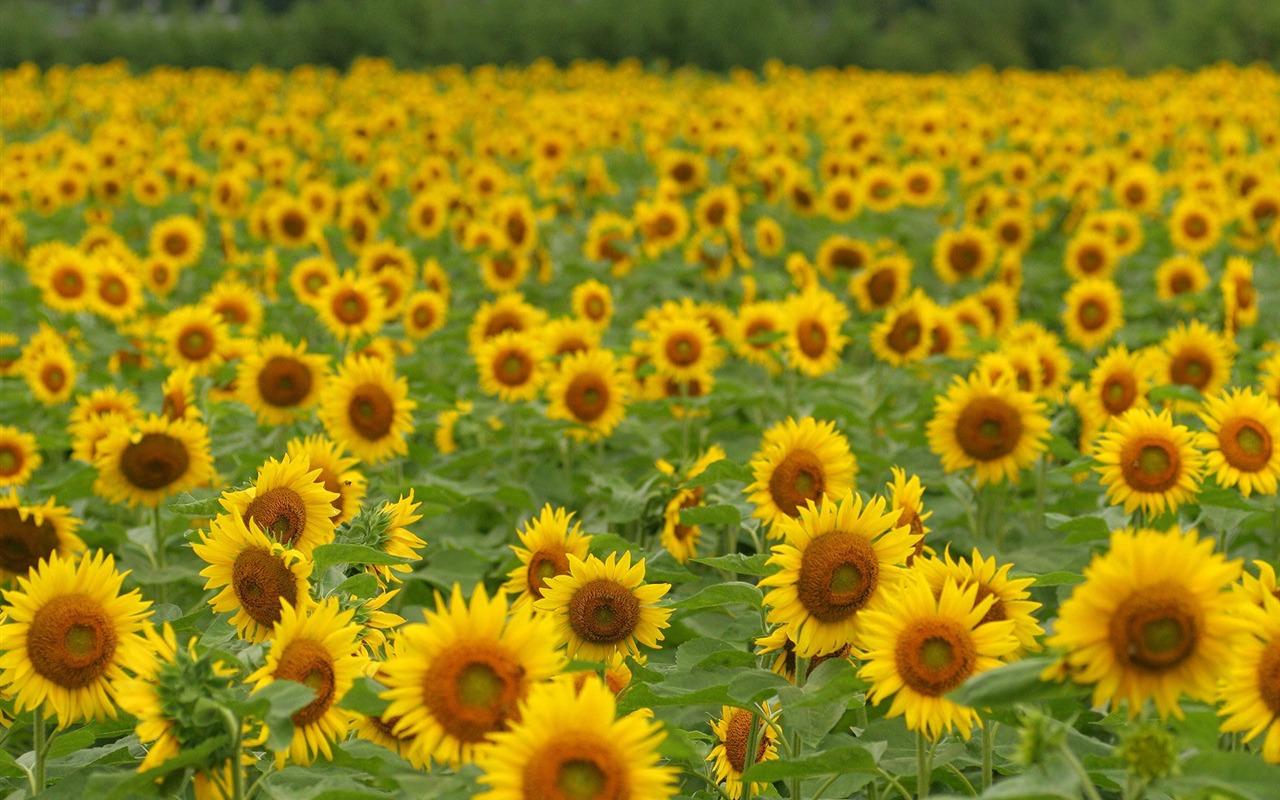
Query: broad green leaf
(191, 506)
(1009, 684)
(756, 685)
(327, 555)
(739, 563)
(830, 762)
(1058, 578)
(363, 698)
(723, 514)
(719, 471)
(722, 594)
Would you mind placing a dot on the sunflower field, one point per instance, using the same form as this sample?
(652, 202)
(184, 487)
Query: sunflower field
(600, 433)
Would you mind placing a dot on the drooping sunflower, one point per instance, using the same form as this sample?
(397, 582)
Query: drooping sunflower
(602, 607)
(1152, 620)
(1011, 596)
(280, 381)
(733, 735)
(457, 680)
(512, 366)
(254, 574)
(1148, 462)
(368, 408)
(779, 641)
(30, 534)
(1250, 691)
(1241, 428)
(681, 540)
(546, 542)
(571, 744)
(289, 504)
(194, 336)
(336, 473)
(68, 632)
(814, 340)
(991, 426)
(588, 390)
(903, 336)
(919, 645)
(351, 306)
(835, 560)
(797, 463)
(316, 646)
(153, 460)
(1193, 355)
(19, 456)
(1094, 312)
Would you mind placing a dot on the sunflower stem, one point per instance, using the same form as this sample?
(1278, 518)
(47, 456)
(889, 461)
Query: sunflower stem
(895, 783)
(817, 793)
(802, 672)
(753, 742)
(967, 785)
(924, 771)
(41, 747)
(1042, 477)
(873, 790)
(237, 769)
(161, 588)
(988, 752)
(1086, 783)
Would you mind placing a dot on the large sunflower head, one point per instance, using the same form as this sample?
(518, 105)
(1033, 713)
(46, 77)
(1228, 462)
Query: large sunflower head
(30, 534)
(1250, 689)
(280, 381)
(395, 539)
(919, 643)
(546, 542)
(367, 407)
(602, 607)
(337, 473)
(835, 560)
(316, 647)
(991, 426)
(1118, 382)
(589, 390)
(255, 576)
(288, 503)
(68, 632)
(570, 743)
(153, 461)
(1148, 462)
(351, 306)
(798, 463)
(1152, 620)
(1241, 431)
(458, 679)
(683, 347)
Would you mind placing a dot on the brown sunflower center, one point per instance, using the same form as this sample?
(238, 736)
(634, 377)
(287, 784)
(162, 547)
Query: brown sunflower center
(1191, 367)
(68, 282)
(812, 337)
(154, 461)
(1180, 283)
(575, 766)
(113, 291)
(23, 543)
(472, 689)
(594, 307)
(988, 429)
(350, 307)
(683, 349)
(881, 286)
(1150, 464)
(280, 512)
(906, 333)
(1245, 444)
(1090, 260)
(964, 257)
(797, 479)
(543, 565)
(308, 662)
(261, 581)
(1155, 629)
(839, 573)
(196, 343)
(503, 320)
(284, 382)
(997, 611)
(604, 612)
(587, 397)
(736, 735)
(175, 244)
(1195, 226)
(423, 316)
(934, 656)
(371, 411)
(54, 377)
(11, 461)
(1093, 314)
(1118, 393)
(71, 641)
(1269, 676)
(514, 367)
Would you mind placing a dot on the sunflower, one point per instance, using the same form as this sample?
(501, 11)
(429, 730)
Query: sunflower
(903, 336)
(289, 223)
(1090, 254)
(117, 291)
(1138, 188)
(919, 644)
(592, 301)
(883, 284)
(425, 313)
(179, 238)
(1011, 596)
(1146, 461)
(681, 540)
(989, 425)
(683, 347)
(770, 238)
(798, 462)
(546, 543)
(1013, 229)
(570, 744)
(367, 407)
(1094, 312)
(605, 606)
(1180, 275)
(310, 276)
(351, 306)
(428, 214)
(1240, 427)
(814, 340)
(255, 575)
(19, 456)
(842, 255)
(289, 504)
(840, 201)
(315, 647)
(106, 400)
(1250, 691)
(588, 390)
(50, 374)
(30, 534)
(178, 395)
(1192, 355)
(381, 730)
(456, 680)
(153, 460)
(512, 366)
(65, 279)
(1001, 303)
(836, 559)
(906, 496)
(280, 381)
(397, 540)
(1240, 296)
(1193, 226)
(758, 333)
(1152, 620)
(1119, 381)
(779, 641)
(194, 336)
(733, 736)
(335, 473)
(508, 312)
(968, 252)
(67, 633)
(237, 303)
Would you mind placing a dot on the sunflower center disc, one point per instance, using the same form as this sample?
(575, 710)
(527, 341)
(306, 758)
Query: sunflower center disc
(196, 345)
(544, 565)
(683, 351)
(22, 542)
(472, 688)
(1117, 395)
(1091, 315)
(371, 412)
(281, 513)
(580, 780)
(1269, 676)
(1252, 448)
(988, 429)
(261, 581)
(309, 663)
(479, 685)
(154, 461)
(284, 382)
(515, 369)
(937, 654)
(812, 338)
(1156, 629)
(839, 573)
(71, 641)
(798, 479)
(934, 656)
(604, 612)
(736, 734)
(8, 462)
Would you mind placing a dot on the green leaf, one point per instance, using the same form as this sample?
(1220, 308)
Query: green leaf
(721, 594)
(739, 563)
(812, 711)
(830, 762)
(327, 555)
(1058, 578)
(719, 471)
(1082, 529)
(1238, 775)
(756, 685)
(1014, 683)
(603, 544)
(363, 586)
(275, 704)
(723, 514)
(190, 506)
(363, 698)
